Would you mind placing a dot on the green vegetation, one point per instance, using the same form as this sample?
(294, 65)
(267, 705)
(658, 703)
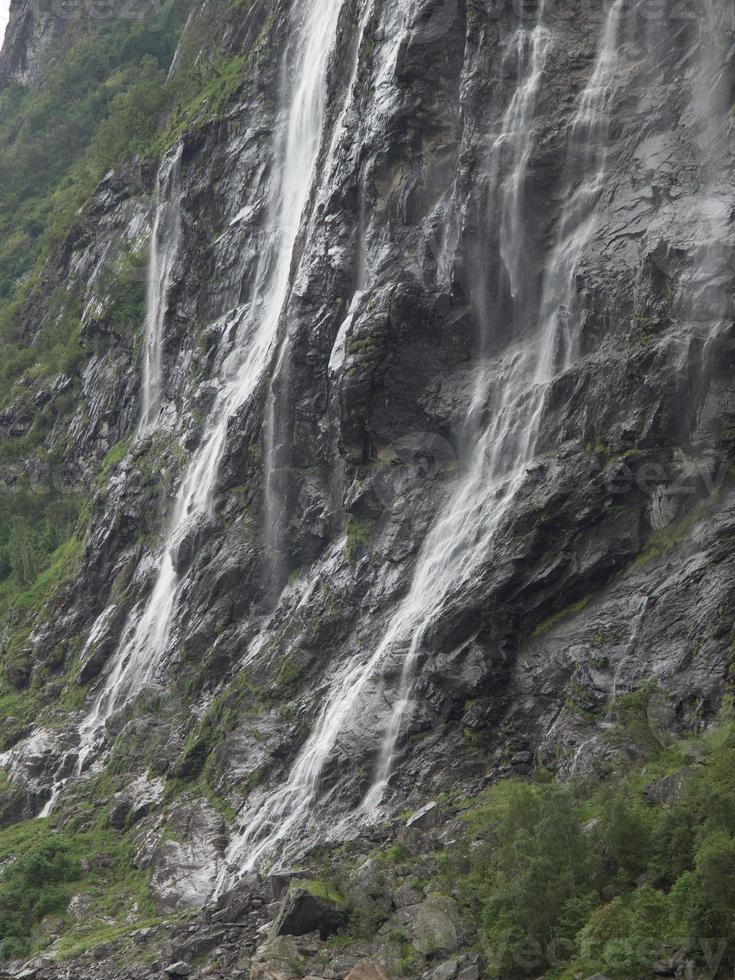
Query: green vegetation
(23, 608)
(34, 885)
(604, 877)
(122, 287)
(358, 537)
(208, 79)
(324, 890)
(557, 617)
(366, 345)
(97, 105)
(661, 542)
(41, 870)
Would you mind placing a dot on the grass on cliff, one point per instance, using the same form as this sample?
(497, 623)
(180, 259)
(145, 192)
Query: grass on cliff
(34, 575)
(98, 103)
(42, 868)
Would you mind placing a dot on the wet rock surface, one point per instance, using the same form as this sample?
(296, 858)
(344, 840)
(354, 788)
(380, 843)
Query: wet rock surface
(614, 564)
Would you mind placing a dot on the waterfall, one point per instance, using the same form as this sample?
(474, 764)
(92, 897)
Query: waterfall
(461, 540)
(164, 245)
(146, 635)
(511, 151)
(277, 416)
(709, 301)
(585, 172)
(439, 567)
(508, 159)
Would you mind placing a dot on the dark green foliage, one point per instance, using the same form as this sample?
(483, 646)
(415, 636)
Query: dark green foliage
(31, 887)
(577, 880)
(626, 835)
(34, 521)
(42, 867)
(545, 868)
(358, 537)
(101, 102)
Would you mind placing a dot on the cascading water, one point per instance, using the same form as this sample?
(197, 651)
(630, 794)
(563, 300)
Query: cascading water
(585, 171)
(146, 635)
(276, 411)
(509, 156)
(165, 240)
(164, 245)
(709, 288)
(462, 538)
(293, 803)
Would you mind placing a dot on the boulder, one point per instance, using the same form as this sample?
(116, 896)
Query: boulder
(427, 818)
(406, 895)
(311, 907)
(367, 970)
(437, 927)
(179, 969)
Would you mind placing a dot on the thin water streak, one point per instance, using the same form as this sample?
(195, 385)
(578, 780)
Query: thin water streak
(165, 239)
(146, 636)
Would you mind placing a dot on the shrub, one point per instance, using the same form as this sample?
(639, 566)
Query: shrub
(33, 886)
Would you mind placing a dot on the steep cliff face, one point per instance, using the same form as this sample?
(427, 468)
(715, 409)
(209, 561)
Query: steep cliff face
(40, 32)
(396, 441)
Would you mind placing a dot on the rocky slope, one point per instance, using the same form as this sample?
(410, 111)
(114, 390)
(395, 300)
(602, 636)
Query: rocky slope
(382, 597)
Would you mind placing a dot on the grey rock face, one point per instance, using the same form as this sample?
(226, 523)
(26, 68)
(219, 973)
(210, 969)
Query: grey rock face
(185, 859)
(614, 563)
(437, 926)
(305, 911)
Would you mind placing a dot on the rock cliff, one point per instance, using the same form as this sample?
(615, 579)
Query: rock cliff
(394, 453)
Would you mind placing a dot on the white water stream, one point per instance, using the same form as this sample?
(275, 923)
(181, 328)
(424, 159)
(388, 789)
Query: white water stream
(145, 638)
(461, 541)
(164, 245)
